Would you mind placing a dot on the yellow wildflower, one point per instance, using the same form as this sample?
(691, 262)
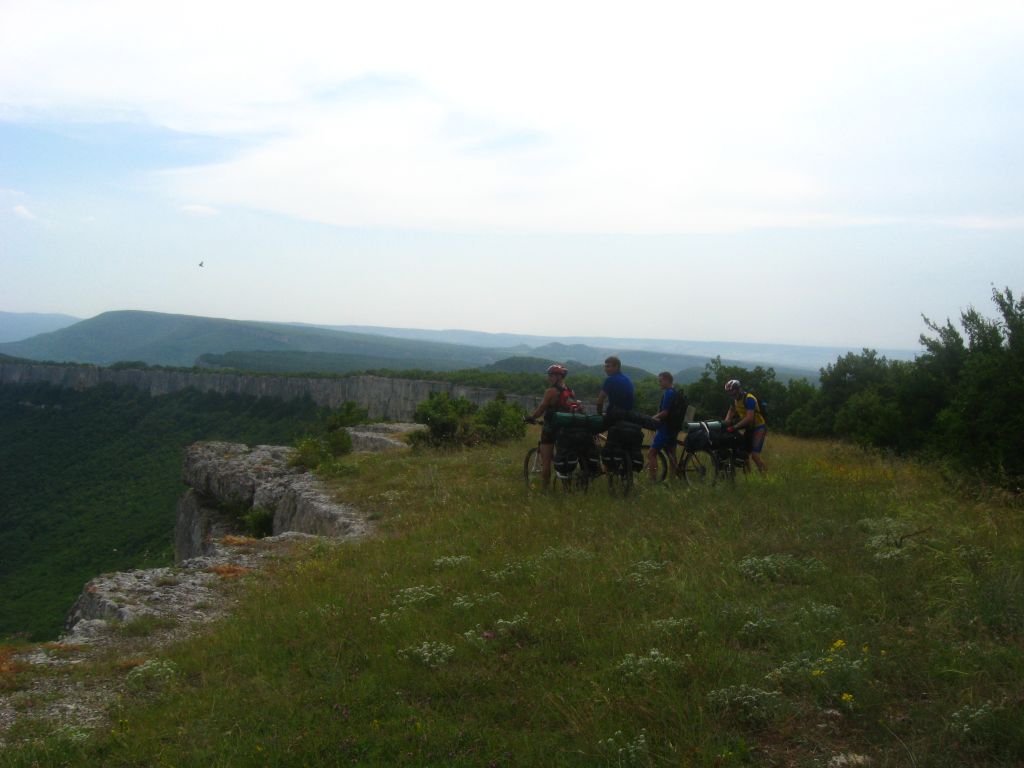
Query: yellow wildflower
(847, 697)
(838, 645)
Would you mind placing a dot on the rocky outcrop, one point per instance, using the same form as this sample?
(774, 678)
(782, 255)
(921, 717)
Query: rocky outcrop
(383, 398)
(230, 480)
(132, 614)
(379, 437)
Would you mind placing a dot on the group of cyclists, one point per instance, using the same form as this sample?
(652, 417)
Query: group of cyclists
(615, 402)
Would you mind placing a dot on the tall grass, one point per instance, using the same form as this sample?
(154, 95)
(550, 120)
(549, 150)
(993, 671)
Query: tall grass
(845, 607)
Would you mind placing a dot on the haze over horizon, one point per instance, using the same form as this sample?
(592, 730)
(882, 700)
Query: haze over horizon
(793, 174)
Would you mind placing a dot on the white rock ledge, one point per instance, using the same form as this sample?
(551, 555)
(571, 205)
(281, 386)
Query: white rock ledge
(226, 480)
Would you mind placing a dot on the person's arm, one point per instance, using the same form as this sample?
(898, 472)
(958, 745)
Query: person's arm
(550, 396)
(665, 406)
(600, 402)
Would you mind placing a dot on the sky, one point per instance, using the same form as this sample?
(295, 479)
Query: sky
(793, 172)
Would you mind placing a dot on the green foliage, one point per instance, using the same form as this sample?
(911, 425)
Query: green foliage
(310, 452)
(329, 440)
(957, 401)
(349, 414)
(91, 481)
(454, 422)
(145, 625)
(499, 421)
(259, 522)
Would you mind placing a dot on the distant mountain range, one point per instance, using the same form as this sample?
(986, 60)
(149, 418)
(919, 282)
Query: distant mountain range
(185, 340)
(779, 356)
(15, 326)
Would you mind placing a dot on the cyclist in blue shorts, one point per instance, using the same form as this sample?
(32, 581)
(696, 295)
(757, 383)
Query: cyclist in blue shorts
(746, 410)
(668, 426)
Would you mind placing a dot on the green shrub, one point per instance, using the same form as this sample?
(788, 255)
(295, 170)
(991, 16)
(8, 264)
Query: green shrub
(348, 415)
(259, 522)
(328, 441)
(310, 452)
(500, 420)
(449, 422)
(459, 422)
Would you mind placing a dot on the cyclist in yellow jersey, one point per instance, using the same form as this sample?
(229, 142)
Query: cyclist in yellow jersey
(748, 417)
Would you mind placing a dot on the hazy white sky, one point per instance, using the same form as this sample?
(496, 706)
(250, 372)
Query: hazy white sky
(799, 172)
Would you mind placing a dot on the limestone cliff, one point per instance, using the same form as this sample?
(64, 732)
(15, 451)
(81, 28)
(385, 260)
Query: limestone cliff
(225, 480)
(383, 398)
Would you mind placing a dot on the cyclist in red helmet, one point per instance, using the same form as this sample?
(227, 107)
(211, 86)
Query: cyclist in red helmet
(557, 398)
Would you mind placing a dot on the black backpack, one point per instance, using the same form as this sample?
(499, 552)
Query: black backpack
(677, 411)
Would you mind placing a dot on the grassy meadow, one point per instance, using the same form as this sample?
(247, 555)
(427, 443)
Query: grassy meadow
(849, 609)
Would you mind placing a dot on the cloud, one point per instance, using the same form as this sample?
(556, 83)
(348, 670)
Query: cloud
(987, 222)
(671, 117)
(200, 210)
(24, 213)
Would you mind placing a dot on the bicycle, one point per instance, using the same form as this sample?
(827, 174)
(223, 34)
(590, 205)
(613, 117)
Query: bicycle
(710, 464)
(589, 466)
(578, 479)
(732, 459)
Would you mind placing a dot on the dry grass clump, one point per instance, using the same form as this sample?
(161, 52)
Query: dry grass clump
(239, 541)
(9, 668)
(229, 570)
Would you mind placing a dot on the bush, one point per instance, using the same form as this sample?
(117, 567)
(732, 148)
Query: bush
(348, 415)
(449, 422)
(459, 422)
(329, 441)
(259, 522)
(500, 420)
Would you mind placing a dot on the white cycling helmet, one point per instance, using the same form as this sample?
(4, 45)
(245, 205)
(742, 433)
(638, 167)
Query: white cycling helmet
(733, 385)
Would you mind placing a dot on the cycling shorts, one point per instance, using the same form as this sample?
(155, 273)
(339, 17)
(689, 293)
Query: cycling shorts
(756, 438)
(664, 437)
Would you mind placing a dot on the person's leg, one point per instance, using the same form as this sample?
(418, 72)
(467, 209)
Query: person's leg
(547, 453)
(670, 450)
(652, 463)
(652, 453)
(756, 446)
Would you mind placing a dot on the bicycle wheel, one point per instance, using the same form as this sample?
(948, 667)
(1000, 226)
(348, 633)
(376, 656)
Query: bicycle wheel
(726, 467)
(739, 466)
(620, 473)
(699, 468)
(532, 470)
(581, 478)
(662, 467)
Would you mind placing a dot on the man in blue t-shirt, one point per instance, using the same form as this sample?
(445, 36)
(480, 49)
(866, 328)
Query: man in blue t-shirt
(617, 390)
(668, 427)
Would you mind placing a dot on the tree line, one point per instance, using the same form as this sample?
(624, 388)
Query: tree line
(959, 401)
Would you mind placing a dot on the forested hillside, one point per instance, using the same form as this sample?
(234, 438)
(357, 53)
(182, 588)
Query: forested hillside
(90, 480)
